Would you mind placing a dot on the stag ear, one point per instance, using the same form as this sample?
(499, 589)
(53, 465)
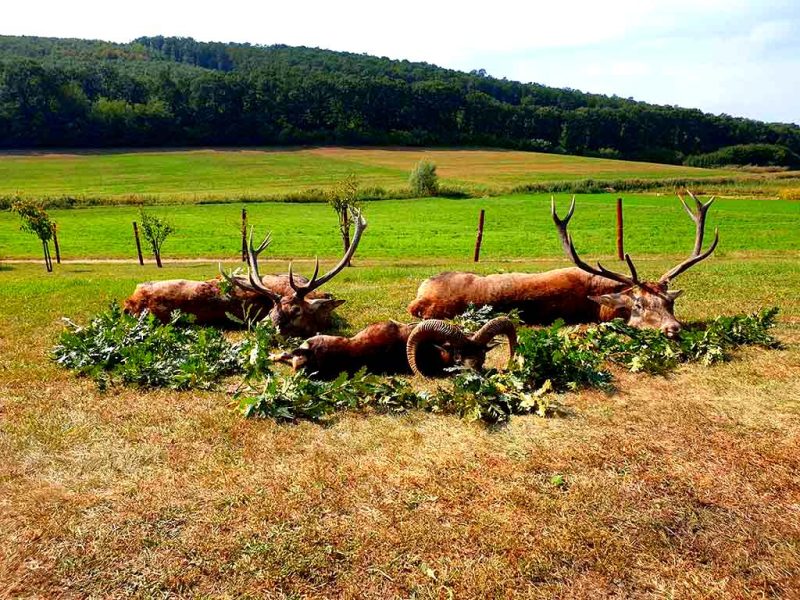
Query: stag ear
(615, 301)
(322, 305)
(673, 294)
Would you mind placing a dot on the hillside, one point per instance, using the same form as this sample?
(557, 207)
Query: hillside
(161, 91)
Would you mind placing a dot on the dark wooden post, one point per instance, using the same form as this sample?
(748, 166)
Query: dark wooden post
(244, 235)
(479, 239)
(55, 243)
(138, 243)
(620, 242)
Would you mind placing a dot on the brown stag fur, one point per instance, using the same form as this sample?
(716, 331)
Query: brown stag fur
(580, 294)
(380, 348)
(541, 298)
(205, 300)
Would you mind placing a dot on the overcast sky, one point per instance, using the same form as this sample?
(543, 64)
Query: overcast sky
(723, 56)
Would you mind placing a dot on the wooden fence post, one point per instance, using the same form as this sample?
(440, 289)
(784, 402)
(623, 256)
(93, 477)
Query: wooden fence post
(55, 243)
(138, 243)
(620, 239)
(244, 235)
(479, 239)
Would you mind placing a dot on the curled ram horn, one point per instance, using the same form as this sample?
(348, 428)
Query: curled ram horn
(498, 326)
(432, 330)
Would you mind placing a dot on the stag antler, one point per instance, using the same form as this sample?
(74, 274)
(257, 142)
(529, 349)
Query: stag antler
(700, 221)
(305, 289)
(572, 254)
(255, 284)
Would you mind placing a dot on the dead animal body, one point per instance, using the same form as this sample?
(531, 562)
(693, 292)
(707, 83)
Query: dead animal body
(390, 347)
(297, 311)
(580, 294)
(292, 302)
(206, 300)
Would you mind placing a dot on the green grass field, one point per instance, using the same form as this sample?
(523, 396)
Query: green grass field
(190, 175)
(516, 227)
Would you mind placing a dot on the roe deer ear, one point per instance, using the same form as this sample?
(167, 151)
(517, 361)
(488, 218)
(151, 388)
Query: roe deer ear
(613, 300)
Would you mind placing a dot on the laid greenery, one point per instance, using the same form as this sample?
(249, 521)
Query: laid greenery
(119, 348)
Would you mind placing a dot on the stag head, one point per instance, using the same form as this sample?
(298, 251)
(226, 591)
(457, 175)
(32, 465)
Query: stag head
(643, 304)
(295, 313)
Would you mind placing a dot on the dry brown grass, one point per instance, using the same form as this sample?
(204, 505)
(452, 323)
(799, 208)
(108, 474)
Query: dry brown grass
(680, 487)
(509, 166)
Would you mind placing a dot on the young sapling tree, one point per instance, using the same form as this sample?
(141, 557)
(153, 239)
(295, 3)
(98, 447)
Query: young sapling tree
(343, 198)
(155, 230)
(36, 220)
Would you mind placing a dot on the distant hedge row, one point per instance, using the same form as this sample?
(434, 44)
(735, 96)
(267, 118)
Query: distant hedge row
(763, 155)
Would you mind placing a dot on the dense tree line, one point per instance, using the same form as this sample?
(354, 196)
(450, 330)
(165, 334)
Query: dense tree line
(176, 91)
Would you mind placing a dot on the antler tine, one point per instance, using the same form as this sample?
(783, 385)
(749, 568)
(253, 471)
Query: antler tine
(572, 254)
(697, 254)
(691, 261)
(698, 217)
(233, 280)
(267, 241)
(302, 290)
(634, 275)
(255, 283)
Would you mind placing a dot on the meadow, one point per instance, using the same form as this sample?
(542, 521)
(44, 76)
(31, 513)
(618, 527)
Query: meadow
(677, 486)
(229, 174)
(516, 227)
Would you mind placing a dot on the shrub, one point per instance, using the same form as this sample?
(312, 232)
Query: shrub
(564, 356)
(423, 179)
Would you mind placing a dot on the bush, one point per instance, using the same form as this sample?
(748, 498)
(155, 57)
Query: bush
(423, 179)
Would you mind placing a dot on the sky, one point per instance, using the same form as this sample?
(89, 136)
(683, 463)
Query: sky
(736, 57)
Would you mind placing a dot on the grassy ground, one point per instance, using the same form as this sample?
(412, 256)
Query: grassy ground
(685, 486)
(516, 226)
(190, 175)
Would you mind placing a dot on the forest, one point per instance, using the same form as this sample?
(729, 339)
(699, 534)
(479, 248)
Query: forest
(166, 91)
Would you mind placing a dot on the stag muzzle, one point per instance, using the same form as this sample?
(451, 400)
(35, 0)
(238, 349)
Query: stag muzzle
(468, 351)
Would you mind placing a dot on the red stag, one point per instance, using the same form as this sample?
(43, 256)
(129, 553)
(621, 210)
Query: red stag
(580, 294)
(205, 300)
(296, 311)
(291, 302)
(426, 348)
